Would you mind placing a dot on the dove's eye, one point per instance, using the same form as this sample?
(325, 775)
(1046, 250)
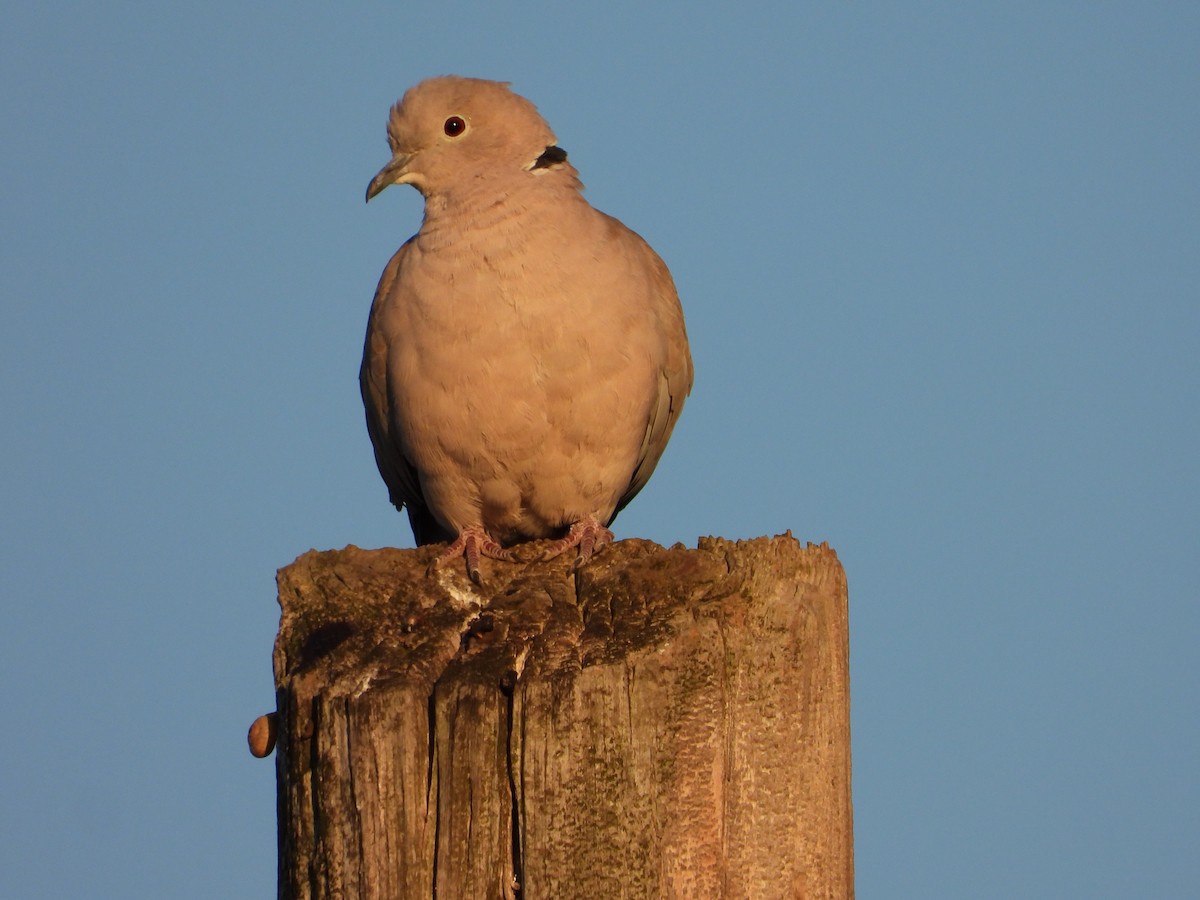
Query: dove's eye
(454, 126)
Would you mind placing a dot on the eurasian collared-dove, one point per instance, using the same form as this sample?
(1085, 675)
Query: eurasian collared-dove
(525, 357)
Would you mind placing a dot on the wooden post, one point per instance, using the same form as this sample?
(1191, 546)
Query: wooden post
(662, 723)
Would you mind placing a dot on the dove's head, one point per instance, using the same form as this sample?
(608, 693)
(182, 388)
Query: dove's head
(448, 133)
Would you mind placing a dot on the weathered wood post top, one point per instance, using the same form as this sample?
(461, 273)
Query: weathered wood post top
(660, 723)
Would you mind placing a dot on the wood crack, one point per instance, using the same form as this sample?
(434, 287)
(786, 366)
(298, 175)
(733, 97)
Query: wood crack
(508, 687)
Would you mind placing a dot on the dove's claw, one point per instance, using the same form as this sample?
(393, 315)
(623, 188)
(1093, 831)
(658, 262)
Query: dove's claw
(473, 543)
(586, 534)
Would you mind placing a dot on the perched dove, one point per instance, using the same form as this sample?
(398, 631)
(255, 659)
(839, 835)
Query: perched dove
(525, 357)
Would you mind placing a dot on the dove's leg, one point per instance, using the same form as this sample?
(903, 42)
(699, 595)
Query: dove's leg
(586, 534)
(473, 543)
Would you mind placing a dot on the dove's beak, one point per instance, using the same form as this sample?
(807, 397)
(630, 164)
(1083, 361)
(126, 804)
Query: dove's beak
(392, 173)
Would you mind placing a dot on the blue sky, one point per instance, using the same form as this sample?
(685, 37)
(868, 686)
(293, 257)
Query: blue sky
(939, 263)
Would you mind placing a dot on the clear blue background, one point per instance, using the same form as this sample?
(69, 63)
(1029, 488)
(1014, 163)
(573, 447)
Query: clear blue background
(940, 264)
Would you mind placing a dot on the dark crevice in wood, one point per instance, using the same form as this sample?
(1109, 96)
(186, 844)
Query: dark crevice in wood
(350, 776)
(508, 687)
(431, 727)
(437, 803)
(314, 766)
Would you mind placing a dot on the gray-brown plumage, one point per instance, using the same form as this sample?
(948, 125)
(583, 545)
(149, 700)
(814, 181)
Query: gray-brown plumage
(525, 357)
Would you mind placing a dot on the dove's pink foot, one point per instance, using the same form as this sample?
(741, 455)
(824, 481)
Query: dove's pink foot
(586, 534)
(473, 543)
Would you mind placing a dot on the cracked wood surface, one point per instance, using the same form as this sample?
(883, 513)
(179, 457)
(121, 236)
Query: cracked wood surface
(662, 723)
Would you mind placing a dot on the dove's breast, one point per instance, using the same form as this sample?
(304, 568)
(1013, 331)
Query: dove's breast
(521, 372)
